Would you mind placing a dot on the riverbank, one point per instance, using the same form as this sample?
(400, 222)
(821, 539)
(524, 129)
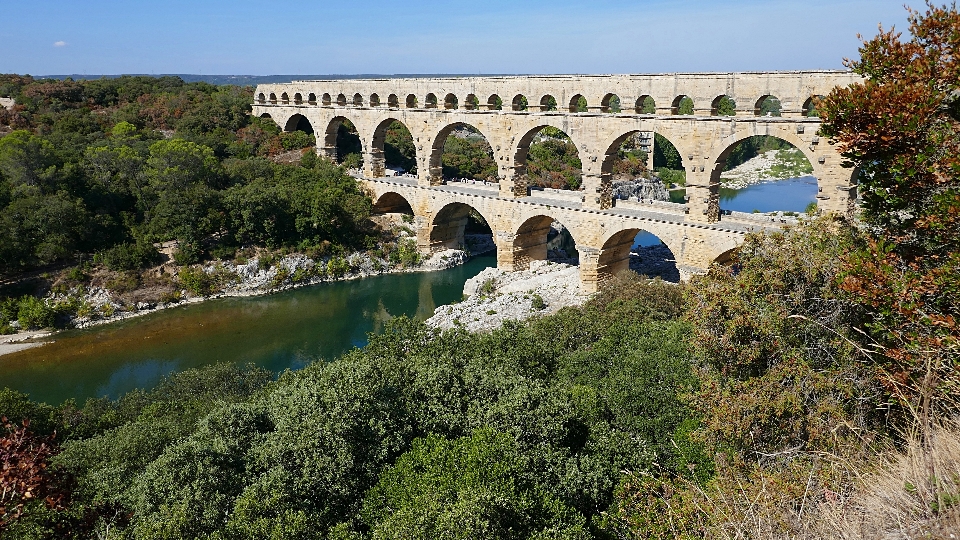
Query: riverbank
(258, 276)
(769, 166)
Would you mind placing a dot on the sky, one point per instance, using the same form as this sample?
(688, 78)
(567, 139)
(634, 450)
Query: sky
(316, 37)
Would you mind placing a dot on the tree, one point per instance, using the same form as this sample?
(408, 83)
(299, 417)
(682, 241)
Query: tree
(901, 129)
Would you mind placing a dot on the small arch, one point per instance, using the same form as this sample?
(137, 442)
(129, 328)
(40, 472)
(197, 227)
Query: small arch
(449, 225)
(298, 98)
(326, 100)
(767, 106)
(341, 100)
(519, 102)
(357, 100)
(411, 101)
(610, 103)
(810, 106)
(392, 202)
(494, 103)
(312, 99)
(578, 104)
(638, 250)
(298, 122)
(548, 103)
(266, 116)
(284, 98)
(682, 104)
(393, 101)
(646, 105)
(471, 103)
(450, 101)
(261, 98)
(723, 105)
(374, 100)
(273, 98)
(430, 101)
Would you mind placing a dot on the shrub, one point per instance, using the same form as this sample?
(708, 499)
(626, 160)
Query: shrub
(33, 312)
(337, 267)
(128, 256)
(537, 303)
(196, 281)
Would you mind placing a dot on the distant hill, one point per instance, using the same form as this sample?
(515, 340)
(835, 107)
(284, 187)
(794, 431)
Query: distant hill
(252, 80)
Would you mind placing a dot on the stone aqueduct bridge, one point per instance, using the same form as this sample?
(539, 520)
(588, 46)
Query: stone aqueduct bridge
(603, 229)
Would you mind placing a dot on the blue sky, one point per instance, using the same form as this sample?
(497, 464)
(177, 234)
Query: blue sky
(433, 36)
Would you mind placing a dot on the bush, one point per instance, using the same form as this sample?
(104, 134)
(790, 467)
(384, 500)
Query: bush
(537, 303)
(33, 312)
(196, 281)
(128, 256)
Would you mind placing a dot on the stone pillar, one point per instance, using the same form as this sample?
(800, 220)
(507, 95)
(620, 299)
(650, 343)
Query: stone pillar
(374, 164)
(329, 152)
(837, 189)
(589, 262)
(423, 169)
(513, 182)
(597, 191)
(703, 193)
(506, 259)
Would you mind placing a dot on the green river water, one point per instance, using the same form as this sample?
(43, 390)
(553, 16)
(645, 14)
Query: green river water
(279, 331)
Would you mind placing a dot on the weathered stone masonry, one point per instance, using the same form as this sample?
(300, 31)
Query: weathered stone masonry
(431, 108)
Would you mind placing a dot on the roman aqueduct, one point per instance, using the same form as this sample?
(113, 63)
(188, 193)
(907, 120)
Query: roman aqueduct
(509, 111)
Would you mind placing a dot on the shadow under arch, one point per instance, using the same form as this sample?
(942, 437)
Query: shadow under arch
(392, 202)
(486, 169)
(559, 165)
(392, 148)
(542, 238)
(298, 122)
(449, 226)
(638, 250)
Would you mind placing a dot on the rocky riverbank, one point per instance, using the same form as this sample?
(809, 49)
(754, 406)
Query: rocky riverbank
(767, 167)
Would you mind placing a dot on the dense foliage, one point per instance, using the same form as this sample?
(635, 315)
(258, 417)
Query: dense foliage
(111, 166)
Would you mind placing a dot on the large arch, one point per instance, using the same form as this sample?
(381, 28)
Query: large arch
(532, 242)
(392, 202)
(437, 149)
(569, 177)
(333, 138)
(447, 228)
(298, 122)
(622, 250)
(384, 154)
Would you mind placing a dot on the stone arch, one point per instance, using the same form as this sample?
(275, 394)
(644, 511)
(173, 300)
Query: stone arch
(284, 98)
(298, 98)
(357, 100)
(411, 101)
(450, 101)
(326, 100)
(578, 103)
(436, 151)
(471, 103)
(378, 147)
(610, 103)
(266, 116)
(531, 239)
(446, 230)
(374, 100)
(494, 103)
(393, 101)
(392, 202)
(723, 105)
(330, 149)
(430, 101)
(767, 105)
(548, 103)
(809, 106)
(727, 258)
(617, 254)
(645, 105)
(521, 152)
(678, 105)
(298, 122)
(312, 98)
(519, 103)
(261, 98)
(273, 98)
(610, 156)
(341, 100)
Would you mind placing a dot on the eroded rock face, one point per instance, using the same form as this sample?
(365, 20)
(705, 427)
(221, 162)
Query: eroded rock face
(641, 188)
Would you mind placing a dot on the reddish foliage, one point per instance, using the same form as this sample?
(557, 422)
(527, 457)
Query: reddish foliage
(24, 476)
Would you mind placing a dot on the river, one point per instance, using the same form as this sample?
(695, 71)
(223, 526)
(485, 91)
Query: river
(279, 331)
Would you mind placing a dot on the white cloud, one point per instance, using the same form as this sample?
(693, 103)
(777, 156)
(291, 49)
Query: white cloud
(60, 44)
